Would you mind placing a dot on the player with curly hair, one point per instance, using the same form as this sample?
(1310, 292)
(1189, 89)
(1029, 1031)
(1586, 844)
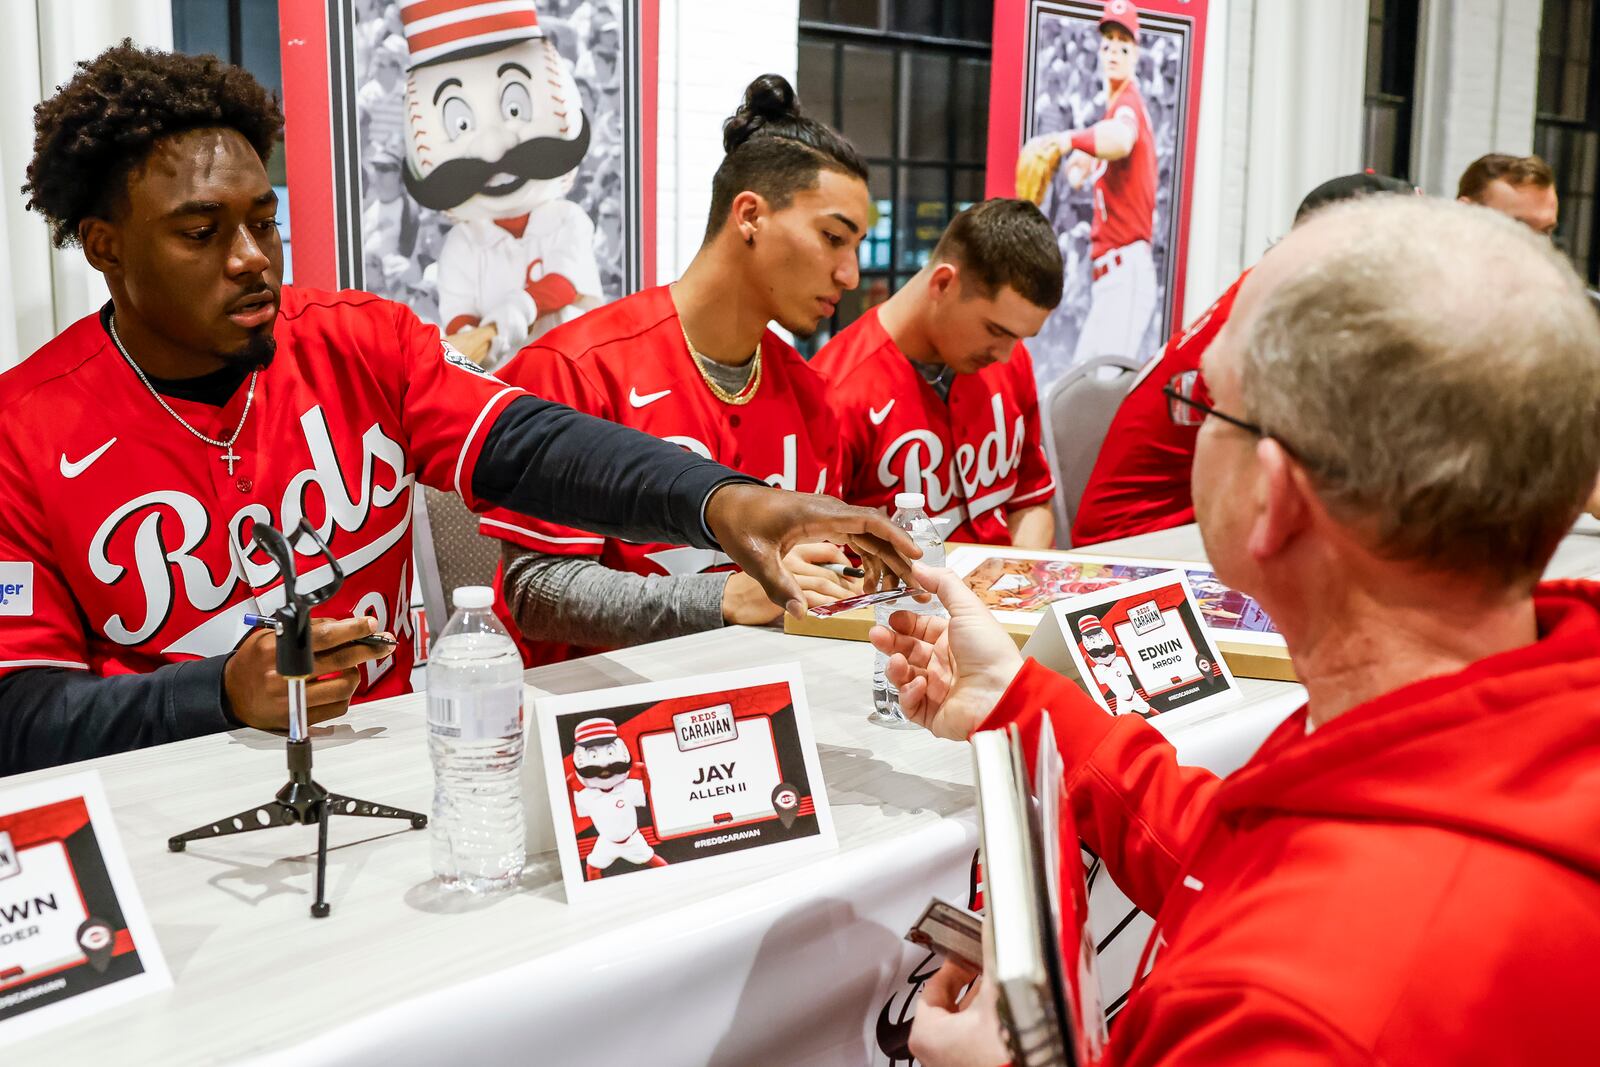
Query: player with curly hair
(139, 448)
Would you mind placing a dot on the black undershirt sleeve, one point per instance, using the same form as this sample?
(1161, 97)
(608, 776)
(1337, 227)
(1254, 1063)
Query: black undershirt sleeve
(546, 460)
(50, 716)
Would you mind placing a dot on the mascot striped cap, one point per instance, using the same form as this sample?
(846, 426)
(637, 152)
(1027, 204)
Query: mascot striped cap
(594, 732)
(456, 29)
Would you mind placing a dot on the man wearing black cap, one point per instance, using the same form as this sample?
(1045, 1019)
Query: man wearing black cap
(1140, 482)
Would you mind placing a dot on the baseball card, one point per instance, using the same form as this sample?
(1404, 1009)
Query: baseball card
(667, 781)
(74, 938)
(1140, 648)
(1094, 112)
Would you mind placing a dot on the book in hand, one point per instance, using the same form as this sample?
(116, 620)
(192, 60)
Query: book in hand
(1035, 950)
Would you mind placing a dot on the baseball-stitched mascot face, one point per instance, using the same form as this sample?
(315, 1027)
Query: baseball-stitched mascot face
(1119, 54)
(493, 136)
(602, 764)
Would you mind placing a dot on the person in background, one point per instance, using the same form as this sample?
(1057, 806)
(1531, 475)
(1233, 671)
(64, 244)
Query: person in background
(934, 389)
(696, 364)
(1140, 480)
(1522, 187)
(1399, 433)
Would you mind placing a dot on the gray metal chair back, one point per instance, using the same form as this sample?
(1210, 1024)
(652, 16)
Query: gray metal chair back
(1076, 412)
(450, 553)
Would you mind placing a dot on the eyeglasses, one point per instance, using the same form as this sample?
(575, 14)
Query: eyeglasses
(1207, 410)
(1255, 429)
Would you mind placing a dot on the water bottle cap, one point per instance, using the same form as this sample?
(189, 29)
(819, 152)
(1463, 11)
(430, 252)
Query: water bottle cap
(910, 500)
(472, 597)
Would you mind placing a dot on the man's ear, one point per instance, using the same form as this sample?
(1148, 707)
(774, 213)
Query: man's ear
(102, 245)
(945, 281)
(747, 215)
(1284, 501)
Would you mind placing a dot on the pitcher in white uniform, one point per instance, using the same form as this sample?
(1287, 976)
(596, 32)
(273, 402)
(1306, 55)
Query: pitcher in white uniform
(496, 132)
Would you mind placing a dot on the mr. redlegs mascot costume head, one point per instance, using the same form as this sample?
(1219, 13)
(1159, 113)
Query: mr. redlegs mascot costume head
(496, 134)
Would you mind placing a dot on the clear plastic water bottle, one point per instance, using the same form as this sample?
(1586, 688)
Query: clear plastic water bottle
(910, 517)
(475, 739)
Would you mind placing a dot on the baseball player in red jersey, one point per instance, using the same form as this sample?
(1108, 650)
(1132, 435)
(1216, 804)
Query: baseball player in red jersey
(1140, 481)
(934, 389)
(1118, 155)
(140, 447)
(695, 364)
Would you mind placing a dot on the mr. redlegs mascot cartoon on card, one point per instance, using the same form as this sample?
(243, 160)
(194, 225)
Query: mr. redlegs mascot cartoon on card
(496, 132)
(1111, 668)
(610, 797)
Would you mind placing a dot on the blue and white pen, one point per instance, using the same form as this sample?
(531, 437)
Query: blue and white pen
(267, 622)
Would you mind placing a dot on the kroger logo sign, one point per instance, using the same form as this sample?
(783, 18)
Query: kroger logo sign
(16, 588)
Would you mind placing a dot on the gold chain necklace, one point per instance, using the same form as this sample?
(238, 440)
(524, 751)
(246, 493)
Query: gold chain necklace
(743, 396)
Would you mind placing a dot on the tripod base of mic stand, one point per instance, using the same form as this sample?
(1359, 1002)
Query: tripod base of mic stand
(300, 802)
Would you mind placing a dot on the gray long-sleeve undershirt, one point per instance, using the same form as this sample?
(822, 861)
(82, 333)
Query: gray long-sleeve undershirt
(577, 600)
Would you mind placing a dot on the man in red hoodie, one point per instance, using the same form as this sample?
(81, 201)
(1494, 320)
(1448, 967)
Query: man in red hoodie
(1401, 430)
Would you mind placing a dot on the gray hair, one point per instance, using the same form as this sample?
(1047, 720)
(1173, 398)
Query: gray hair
(1438, 374)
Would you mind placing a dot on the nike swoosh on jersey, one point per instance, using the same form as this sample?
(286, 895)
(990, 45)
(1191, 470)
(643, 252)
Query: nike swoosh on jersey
(647, 399)
(879, 415)
(70, 469)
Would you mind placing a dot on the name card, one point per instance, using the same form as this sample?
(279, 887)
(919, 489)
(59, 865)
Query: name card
(1139, 648)
(74, 937)
(664, 781)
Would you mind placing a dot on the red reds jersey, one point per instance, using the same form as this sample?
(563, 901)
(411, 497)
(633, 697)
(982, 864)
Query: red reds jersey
(134, 540)
(628, 362)
(1140, 481)
(1125, 195)
(974, 458)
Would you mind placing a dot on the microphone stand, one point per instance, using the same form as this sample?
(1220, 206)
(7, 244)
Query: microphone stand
(301, 801)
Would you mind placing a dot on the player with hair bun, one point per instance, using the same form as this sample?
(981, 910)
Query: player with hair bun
(695, 363)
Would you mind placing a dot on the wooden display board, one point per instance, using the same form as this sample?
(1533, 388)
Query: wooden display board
(1021, 584)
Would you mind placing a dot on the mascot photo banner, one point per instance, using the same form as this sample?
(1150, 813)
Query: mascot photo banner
(486, 162)
(1093, 110)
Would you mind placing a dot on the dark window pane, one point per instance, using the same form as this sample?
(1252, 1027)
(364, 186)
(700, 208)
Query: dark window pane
(967, 188)
(867, 116)
(200, 27)
(973, 20)
(924, 210)
(971, 110)
(813, 10)
(868, 13)
(925, 114)
(1382, 129)
(874, 253)
(814, 80)
(918, 16)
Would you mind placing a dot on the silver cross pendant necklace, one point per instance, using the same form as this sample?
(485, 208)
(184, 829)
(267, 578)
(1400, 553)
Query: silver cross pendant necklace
(228, 455)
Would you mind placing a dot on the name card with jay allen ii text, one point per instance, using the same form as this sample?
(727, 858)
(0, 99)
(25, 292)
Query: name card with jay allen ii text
(667, 781)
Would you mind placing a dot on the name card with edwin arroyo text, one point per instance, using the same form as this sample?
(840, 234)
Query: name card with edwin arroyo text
(665, 781)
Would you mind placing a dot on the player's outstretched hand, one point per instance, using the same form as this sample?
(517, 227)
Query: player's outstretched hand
(745, 603)
(955, 1029)
(260, 696)
(950, 672)
(757, 526)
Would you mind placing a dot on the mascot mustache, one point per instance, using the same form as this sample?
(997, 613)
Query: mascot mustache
(455, 181)
(600, 770)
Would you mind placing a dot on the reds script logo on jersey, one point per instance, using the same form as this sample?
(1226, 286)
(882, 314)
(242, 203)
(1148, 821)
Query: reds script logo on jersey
(143, 545)
(974, 458)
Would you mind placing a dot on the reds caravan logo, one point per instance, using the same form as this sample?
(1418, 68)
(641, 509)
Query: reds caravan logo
(915, 462)
(162, 551)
